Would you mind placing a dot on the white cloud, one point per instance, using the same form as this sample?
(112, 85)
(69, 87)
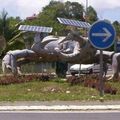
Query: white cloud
(29, 7)
(99, 4)
(24, 8)
(106, 8)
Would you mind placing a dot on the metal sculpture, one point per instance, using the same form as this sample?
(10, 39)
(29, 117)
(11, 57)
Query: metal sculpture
(11, 60)
(45, 50)
(73, 49)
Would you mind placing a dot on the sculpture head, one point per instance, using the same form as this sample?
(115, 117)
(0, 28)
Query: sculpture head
(80, 42)
(75, 36)
(83, 51)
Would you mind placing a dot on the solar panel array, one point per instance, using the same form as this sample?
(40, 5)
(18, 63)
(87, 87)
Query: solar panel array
(35, 28)
(75, 23)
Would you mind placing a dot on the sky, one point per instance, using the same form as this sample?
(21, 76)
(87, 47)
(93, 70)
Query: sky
(106, 9)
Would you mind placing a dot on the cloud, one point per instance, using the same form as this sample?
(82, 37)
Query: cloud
(25, 8)
(111, 14)
(29, 7)
(106, 9)
(99, 4)
(22, 8)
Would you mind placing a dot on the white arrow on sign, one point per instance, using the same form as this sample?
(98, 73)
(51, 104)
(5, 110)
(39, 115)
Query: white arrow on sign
(106, 34)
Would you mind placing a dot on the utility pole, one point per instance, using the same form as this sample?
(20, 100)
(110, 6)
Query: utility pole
(86, 12)
(61, 1)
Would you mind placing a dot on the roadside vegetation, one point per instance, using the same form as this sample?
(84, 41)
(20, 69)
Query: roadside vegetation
(37, 89)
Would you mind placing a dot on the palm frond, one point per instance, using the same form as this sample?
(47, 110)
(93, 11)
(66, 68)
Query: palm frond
(15, 37)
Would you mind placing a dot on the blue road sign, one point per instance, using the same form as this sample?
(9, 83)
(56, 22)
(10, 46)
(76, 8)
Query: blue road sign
(102, 34)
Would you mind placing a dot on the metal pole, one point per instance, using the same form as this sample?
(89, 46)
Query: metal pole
(86, 14)
(86, 10)
(101, 81)
(115, 44)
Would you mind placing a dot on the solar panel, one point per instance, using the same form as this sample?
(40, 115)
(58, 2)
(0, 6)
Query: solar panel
(35, 28)
(74, 23)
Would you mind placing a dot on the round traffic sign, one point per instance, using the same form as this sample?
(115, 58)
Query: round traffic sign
(102, 34)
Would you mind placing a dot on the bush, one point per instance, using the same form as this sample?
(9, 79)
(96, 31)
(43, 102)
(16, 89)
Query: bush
(6, 80)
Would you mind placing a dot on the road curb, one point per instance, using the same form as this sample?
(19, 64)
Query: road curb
(60, 107)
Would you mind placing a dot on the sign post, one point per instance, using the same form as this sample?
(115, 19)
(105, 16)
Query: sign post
(102, 35)
(101, 74)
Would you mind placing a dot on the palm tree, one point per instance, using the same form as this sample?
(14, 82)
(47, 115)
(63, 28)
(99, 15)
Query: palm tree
(10, 36)
(3, 23)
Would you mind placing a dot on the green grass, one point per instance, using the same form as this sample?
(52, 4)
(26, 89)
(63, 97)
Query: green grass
(52, 90)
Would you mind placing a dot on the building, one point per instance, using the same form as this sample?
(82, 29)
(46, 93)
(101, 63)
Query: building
(33, 17)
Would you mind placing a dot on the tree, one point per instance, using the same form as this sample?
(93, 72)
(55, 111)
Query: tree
(91, 15)
(49, 14)
(73, 10)
(3, 22)
(9, 31)
(116, 24)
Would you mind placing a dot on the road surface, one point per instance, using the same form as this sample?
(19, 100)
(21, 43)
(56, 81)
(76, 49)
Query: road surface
(60, 115)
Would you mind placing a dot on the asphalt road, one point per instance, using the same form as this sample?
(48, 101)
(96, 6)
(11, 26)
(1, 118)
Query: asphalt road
(86, 115)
